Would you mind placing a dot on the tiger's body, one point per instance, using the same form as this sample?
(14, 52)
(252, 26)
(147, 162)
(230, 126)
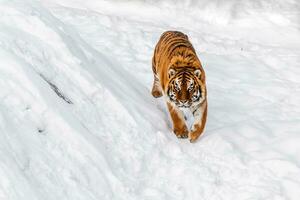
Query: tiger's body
(179, 76)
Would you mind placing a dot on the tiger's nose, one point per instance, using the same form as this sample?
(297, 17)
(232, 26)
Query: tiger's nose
(183, 101)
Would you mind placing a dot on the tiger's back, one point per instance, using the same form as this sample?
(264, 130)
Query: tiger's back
(174, 49)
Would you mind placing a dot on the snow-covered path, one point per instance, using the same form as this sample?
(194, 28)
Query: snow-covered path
(77, 120)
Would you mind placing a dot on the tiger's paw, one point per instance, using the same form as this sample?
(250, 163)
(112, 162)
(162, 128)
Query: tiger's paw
(156, 93)
(194, 136)
(182, 132)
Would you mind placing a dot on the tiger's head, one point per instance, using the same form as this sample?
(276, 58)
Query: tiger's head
(186, 86)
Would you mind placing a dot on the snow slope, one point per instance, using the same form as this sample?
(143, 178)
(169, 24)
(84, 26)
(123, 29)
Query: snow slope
(77, 120)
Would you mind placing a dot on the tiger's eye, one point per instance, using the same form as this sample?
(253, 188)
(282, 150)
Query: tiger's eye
(191, 87)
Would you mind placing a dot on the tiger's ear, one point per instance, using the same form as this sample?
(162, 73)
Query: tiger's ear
(171, 72)
(197, 73)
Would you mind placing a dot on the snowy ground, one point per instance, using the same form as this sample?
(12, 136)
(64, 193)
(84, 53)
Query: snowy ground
(77, 120)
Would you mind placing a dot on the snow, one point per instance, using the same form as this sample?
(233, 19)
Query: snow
(77, 120)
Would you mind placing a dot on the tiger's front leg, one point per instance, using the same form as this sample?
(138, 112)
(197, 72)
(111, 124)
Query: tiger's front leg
(200, 114)
(179, 127)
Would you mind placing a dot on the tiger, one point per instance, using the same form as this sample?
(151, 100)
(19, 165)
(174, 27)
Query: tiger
(180, 78)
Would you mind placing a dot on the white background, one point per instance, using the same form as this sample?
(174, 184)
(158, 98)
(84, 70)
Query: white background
(113, 140)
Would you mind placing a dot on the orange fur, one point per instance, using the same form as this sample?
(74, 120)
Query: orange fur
(178, 75)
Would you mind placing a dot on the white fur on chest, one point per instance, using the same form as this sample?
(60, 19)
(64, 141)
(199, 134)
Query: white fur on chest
(188, 116)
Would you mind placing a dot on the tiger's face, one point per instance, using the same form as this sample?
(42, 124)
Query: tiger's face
(185, 87)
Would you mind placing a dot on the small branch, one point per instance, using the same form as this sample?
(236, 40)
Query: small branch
(56, 90)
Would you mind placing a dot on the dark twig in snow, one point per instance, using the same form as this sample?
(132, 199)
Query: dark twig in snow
(56, 90)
